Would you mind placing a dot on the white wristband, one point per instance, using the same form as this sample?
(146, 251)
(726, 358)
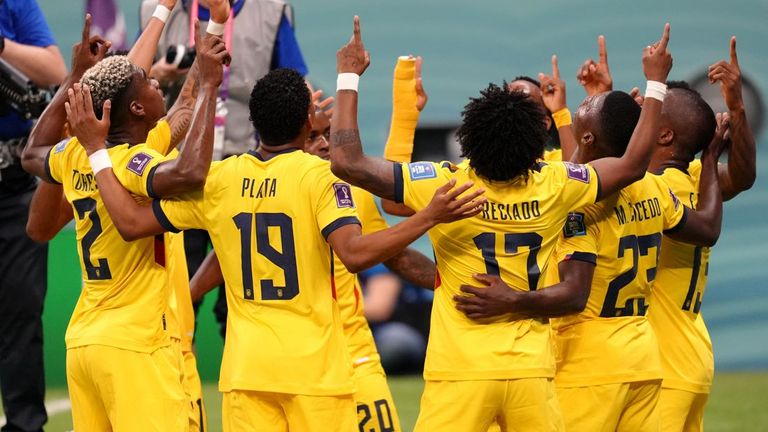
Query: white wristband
(656, 90)
(215, 28)
(100, 160)
(347, 81)
(162, 13)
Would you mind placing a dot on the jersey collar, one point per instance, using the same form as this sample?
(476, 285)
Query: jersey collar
(256, 154)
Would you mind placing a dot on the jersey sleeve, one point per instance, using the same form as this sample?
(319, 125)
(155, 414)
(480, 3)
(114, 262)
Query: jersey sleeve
(159, 138)
(416, 182)
(369, 213)
(673, 211)
(580, 184)
(332, 199)
(135, 167)
(579, 239)
(182, 212)
(55, 159)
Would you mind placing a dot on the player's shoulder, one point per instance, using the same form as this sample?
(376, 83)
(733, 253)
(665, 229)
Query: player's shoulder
(560, 172)
(424, 170)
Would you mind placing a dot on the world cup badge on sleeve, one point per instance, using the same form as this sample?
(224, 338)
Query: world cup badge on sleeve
(138, 163)
(343, 193)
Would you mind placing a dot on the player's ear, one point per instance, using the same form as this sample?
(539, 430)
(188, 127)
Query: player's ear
(137, 109)
(666, 136)
(587, 140)
(548, 121)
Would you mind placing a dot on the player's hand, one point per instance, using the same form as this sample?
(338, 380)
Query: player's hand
(728, 74)
(89, 130)
(494, 298)
(166, 74)
(421, 94)
(637, 96)
(553, 88)
(211, 56)
(322, 105)
(219, 10)
(448, 206)
(657, 61)
(168, 3)
(90, 50)
(352, 57)
(722, 138)
(596, 77)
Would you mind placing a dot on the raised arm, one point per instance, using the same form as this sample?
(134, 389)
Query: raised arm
(207, 277)
(49, 212)
(187, 172)
(49, 128)
(497, 298)
(554, 95)
(142, 54)
(702, 226)
(617, 173)
(738, 174)
(414, 267)
(596, 77)
(348, 162)
(359, 252)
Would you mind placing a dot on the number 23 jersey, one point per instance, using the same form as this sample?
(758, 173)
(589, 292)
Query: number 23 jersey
(611, 341)
(513, 237)
(268, 222)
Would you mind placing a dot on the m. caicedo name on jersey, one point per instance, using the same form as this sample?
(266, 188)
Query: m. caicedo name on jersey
(639, 211)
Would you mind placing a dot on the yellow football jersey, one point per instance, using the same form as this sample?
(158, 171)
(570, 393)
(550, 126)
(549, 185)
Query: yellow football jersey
(611, 341)
(686, 349)
(362, 349)
(125, 291)
(513, 237)
(268, 221)
(554, 155)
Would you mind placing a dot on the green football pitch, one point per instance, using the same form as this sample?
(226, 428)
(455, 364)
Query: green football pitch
(738, 403)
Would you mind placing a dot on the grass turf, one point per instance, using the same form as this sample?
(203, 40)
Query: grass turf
(737, 403)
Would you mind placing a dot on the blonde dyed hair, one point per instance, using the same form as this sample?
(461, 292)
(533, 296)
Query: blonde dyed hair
(107, 78)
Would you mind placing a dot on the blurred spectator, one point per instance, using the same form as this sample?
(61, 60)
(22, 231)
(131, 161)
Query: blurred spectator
(398, 313)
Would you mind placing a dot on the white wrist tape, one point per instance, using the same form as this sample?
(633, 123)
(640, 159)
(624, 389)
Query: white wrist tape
(347, 81)
(100, 160)
(656, 90)
(162, 13)
(215, 28)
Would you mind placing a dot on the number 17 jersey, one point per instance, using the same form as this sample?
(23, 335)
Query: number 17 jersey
(513, 237)
(268, 222)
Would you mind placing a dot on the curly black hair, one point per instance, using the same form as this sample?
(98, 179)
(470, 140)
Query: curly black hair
(696, 119)
(618, 117)
(502, 133)
(279, 104)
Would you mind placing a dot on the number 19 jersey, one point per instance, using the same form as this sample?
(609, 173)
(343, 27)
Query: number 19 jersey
(268, 222)
(513, 237)
(611, 341)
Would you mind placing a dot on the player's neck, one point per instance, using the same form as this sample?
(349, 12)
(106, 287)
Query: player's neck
(133, 134)
(663, 160)
(268, 152)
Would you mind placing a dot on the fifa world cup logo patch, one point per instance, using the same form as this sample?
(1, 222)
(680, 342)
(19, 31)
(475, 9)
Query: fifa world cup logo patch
(577, 172)
(138, 163)
(343, 194)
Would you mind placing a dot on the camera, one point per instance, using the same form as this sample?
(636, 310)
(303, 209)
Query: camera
(20, 93)
(180, 56)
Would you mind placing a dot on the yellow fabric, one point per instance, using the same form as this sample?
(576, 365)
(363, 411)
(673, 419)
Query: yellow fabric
(562, 118)
(180, 306)
(530, 213)
(284, 332)
(125, 291)
(682, 411)
(362, 349)
(626, 407)
(686, 349)
(611, 341)
(375, 407)
(527, 404)
(121, 390)
(555, 155)
(198, 421)
(250, 411)
(405, 115)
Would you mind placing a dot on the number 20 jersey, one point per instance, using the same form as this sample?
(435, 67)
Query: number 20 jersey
(611, 341)
(513, 237)
(125, 290)
(268, 222)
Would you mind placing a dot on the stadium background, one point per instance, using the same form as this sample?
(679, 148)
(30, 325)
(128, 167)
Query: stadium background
(465, 45)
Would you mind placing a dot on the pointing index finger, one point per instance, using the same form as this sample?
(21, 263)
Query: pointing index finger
(555, 69)
(603, 52)
(734, 58)
(664, 38)
(357, 37)
(87, 28)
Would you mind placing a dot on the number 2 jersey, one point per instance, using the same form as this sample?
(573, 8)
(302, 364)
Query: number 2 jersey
(268, 222)
(611, 341)
(686, 349)
(125, 290)
(513, 237)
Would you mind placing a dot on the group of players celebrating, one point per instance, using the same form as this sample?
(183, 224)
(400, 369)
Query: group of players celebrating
(568, 281)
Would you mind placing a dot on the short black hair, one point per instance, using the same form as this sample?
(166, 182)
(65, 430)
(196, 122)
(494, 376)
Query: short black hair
(527, 78)
(554, 136)
(278, 105)
(502, 133)
(696, 113)
(618, 117)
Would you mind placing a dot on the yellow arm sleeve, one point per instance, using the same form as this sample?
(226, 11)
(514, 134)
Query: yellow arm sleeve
(405, 116)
